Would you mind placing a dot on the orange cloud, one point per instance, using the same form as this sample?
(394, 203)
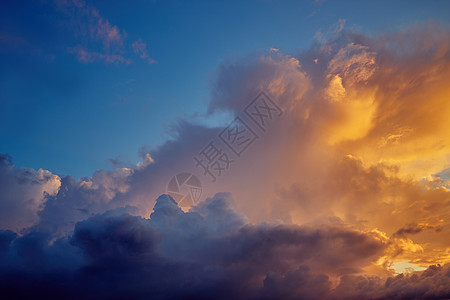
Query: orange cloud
(361, 133)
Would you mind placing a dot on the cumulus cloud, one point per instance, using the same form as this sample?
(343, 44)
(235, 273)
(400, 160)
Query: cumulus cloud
(23, 193)
(358, 141)
(78, 200)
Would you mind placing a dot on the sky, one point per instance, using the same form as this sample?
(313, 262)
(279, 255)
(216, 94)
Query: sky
(119, 105)
(225, 150)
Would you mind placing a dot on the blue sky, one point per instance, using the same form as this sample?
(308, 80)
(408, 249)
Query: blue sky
(84, 82)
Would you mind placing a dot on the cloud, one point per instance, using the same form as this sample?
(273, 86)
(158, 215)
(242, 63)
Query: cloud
(429, 284)
(238, 82)
(23, 193)
(140, 48)
(10, 41)
(85, 20)
(98, 39)
(86, 56)
(78, 200)
(347, 184)
(183, 255)
(413, 229)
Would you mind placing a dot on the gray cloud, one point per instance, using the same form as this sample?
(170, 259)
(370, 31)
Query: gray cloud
(198, 255)
(23, 193)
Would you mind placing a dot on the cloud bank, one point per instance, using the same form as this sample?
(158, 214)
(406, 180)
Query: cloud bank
(210, 252)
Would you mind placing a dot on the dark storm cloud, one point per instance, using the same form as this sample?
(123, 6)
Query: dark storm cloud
(211, 252)
(433, 283)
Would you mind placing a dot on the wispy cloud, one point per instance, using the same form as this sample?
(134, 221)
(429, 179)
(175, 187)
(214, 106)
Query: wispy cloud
(86, 56)
(11, 41)
(140, 48)
(98, 38)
